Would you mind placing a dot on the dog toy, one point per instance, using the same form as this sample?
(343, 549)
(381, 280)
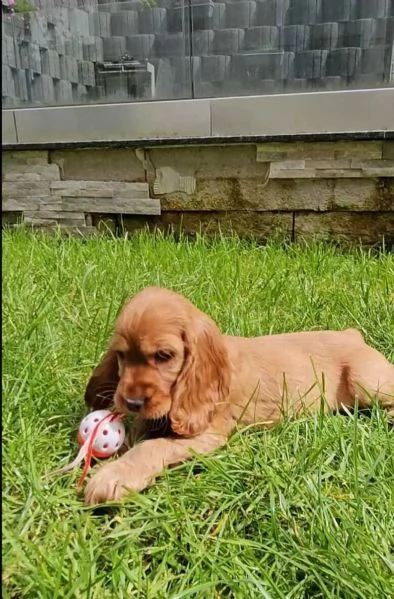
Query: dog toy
(100, 434)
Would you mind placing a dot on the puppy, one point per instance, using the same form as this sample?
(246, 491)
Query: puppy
(170, 365)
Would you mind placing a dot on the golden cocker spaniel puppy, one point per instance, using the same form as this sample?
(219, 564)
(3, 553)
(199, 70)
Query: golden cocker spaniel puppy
(189, 384)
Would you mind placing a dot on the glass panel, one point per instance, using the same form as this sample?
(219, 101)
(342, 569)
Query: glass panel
(252, 47)
(91, 53)
(81, 51)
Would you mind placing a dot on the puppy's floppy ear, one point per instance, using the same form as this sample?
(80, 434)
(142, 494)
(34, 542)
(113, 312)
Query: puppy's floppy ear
(103, 382)
(204, 379)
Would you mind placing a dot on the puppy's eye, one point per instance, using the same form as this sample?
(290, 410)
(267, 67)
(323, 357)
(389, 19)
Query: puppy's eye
(163, 356)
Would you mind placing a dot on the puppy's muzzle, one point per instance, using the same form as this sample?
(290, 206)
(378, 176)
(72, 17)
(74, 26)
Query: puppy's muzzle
(134, 404)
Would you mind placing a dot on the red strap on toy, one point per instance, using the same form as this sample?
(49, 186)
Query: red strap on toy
(90, 441)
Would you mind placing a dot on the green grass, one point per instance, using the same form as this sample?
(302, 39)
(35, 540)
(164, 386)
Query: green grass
(304, 510)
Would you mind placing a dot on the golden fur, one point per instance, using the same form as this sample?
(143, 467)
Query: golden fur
(203, 383)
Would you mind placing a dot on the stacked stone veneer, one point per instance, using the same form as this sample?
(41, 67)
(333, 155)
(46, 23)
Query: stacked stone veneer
(35, 192)
(49, 56)
(297, 190)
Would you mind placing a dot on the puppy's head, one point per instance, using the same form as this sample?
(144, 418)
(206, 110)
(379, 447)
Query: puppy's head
(171, 361)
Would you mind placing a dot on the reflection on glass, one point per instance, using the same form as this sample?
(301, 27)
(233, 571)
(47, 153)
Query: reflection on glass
(59, 52)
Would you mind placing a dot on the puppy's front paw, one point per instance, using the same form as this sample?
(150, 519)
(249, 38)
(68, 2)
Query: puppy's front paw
(113, 481)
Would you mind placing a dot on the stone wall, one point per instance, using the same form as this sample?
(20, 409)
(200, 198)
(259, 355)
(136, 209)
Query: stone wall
(331, 190)
(51, 56)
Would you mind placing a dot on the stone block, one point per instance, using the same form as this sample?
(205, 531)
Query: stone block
(203, 42)
(42, 89)
(240, 14)
(229, 41)
(218, 17)
(17, 190)
(93, 49)
(100, 24)
(324, 36)
(56, 42)
(311, 64)
(63, 92)
(97, 93)
(173, 44)
(16, 158)
(81, 93)
(21, 85)
(358, 195)
(174, 21)
(20, 204)
(124, 23)
(383, 31)
(52, 219)
(253, 194)
(378, 168)
(68, 69)
(360, 33)
(388, 151)
(58, 19)
(141, 46)
(372, 61)
(304, 12)
(30, 57)
(31, 172)
(268, 65)
(272, 12)
(18, 28)
(215, 68)
(237, 161)
(8, 85)
(332, 150)
(39, 28)
(114, 47)
(79, 22)
(86, 73)
(294, 38)
(100, 165)
(333, 83)
(112, 205)
(7, 24)
(88, 5)
(133, 5)
(262, 38)
(152, 21)
(183, 68)
(74, 48)
(101, 189)
(344, 62)
(8, 54)
(202, 15)
(334, 12)
(50, 63)
(298, 84)
(377, 9)
(347, 226)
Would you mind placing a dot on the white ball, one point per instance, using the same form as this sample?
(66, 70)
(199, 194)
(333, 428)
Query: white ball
(109, 436)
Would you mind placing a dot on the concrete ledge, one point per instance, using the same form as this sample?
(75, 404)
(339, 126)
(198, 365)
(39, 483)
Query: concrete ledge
(107, 122)
(330, 114)
(8, 127)
(323, 112)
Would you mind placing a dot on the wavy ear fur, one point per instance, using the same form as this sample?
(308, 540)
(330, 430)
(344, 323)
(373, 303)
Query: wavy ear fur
(204, 380)
(103, 382)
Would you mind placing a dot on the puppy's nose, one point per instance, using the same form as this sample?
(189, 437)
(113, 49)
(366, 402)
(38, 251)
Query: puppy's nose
(134, 404)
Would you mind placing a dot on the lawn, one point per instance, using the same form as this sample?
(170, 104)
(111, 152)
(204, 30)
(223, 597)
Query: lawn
(304, 510)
